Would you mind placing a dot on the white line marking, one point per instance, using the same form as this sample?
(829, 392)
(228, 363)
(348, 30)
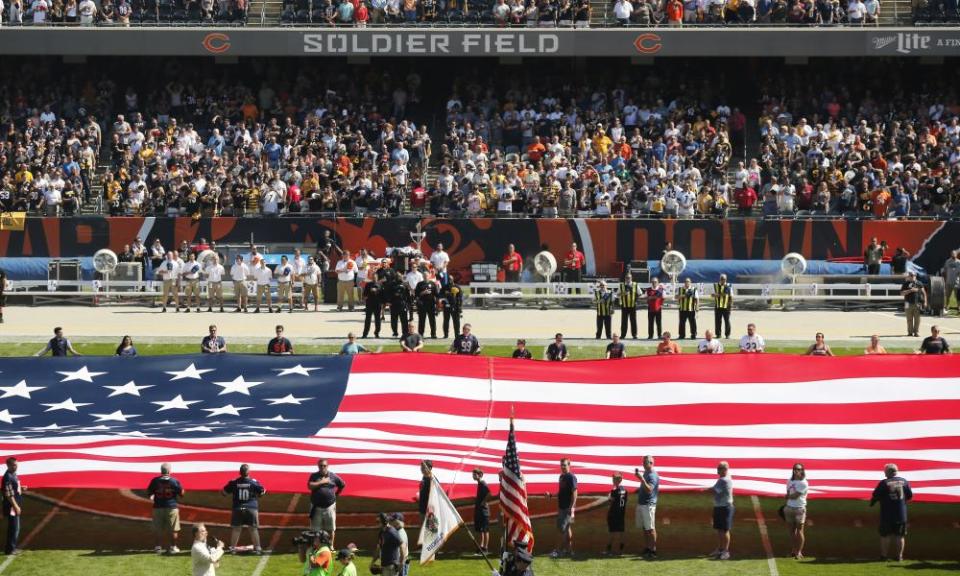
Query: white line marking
(36, 530)
(764, 536)
(275, 539)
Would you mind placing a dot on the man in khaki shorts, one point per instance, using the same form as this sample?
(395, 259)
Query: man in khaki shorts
(191, 282)
(324, 488)
(284, 274)
(214, 273)
(647, 495)
(239, 273)
(263, 275)
(165, 491)
(169, 272)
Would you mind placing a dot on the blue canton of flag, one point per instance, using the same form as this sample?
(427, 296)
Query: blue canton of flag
(171, 397)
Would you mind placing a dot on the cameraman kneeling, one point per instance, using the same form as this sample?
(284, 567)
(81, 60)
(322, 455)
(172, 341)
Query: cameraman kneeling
(316, 555)
(205, 558)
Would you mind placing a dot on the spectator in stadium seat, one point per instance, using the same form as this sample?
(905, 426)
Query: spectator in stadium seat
(674, 13)
(622, 11)
(893, 493)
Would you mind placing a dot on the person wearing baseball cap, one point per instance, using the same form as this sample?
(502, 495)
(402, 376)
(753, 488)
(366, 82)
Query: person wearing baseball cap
(345, 558)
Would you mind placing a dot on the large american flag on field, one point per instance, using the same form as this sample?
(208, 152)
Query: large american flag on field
(513, 496)
(110, 422)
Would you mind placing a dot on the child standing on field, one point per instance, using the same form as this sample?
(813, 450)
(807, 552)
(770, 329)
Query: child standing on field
(616, 515)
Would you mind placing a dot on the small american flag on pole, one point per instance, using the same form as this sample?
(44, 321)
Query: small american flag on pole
(513, 496)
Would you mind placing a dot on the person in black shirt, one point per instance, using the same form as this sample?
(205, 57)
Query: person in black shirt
(521, 350)
(11, 491)
(557, 350)
(389, 548)
(934, 343)
(372, 308)
(279, 346)
(481, 510)
(58, 345)
(427, 294)
(451, 303)
(411, 341)
(914, 297)
(324, 488)
(629, 294)
(566, 506)
(399, 305)
(423, 494)
(246, 493)
(603, 303)
(616, 515)
(165, 491)
(899, 261)
(615, 349)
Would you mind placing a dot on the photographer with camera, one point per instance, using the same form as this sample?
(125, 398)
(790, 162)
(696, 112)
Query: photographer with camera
(516, 562)
(313, 549)
(246, 493)
(205, 558)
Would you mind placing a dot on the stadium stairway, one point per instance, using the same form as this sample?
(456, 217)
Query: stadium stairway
(600, 12)
(266, 12)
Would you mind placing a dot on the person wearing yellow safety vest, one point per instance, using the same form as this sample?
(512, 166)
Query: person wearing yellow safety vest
(689, 298)
(722, 303)
(629, 292)
(603, 302)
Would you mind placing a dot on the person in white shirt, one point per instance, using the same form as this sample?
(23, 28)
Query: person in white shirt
(298, 264)
(239, 273)
(709, 344)
(310, 276)
(685, 202)
(39, 8)
(751, 342)
(346, 275)
(439, 259)
(622, 11)
(856, 10)
(214, 273)
(263, 275)
(88, 12)
(284, 274)
(412, 278)
(191, 276)
(795, 511)
(169, 272)
(205, 559)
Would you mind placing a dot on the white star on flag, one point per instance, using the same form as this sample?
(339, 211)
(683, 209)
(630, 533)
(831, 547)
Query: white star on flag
(228, 409)
(7, 417)
(135, 433)
(117, 416)
(278, 418)
(199, 429)
(288, 399)
(237, 385)
(177, 403)
(298, 369)
(189, 372)
(67, 404)
(41, 428)
(130, 388)
(246, 434)
(20, 390)
(81, 374)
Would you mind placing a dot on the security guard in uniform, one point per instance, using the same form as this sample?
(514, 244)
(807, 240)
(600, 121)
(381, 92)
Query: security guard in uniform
(628, 305)
(689, 298)
(603, 301)
(399, 305)
(372, 308)
(451, 303)
(427, 293)
(722, 303)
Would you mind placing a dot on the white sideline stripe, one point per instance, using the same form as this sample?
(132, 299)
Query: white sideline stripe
(36, 530)
(764, 536)
(275, 539)
(662, 393)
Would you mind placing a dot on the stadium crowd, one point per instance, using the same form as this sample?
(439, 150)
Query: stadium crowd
(123, 12)
(201, 143)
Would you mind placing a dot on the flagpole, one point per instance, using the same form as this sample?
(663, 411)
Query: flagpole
(479, 548)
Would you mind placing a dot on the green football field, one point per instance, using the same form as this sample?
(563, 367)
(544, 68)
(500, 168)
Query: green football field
(841, 537)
